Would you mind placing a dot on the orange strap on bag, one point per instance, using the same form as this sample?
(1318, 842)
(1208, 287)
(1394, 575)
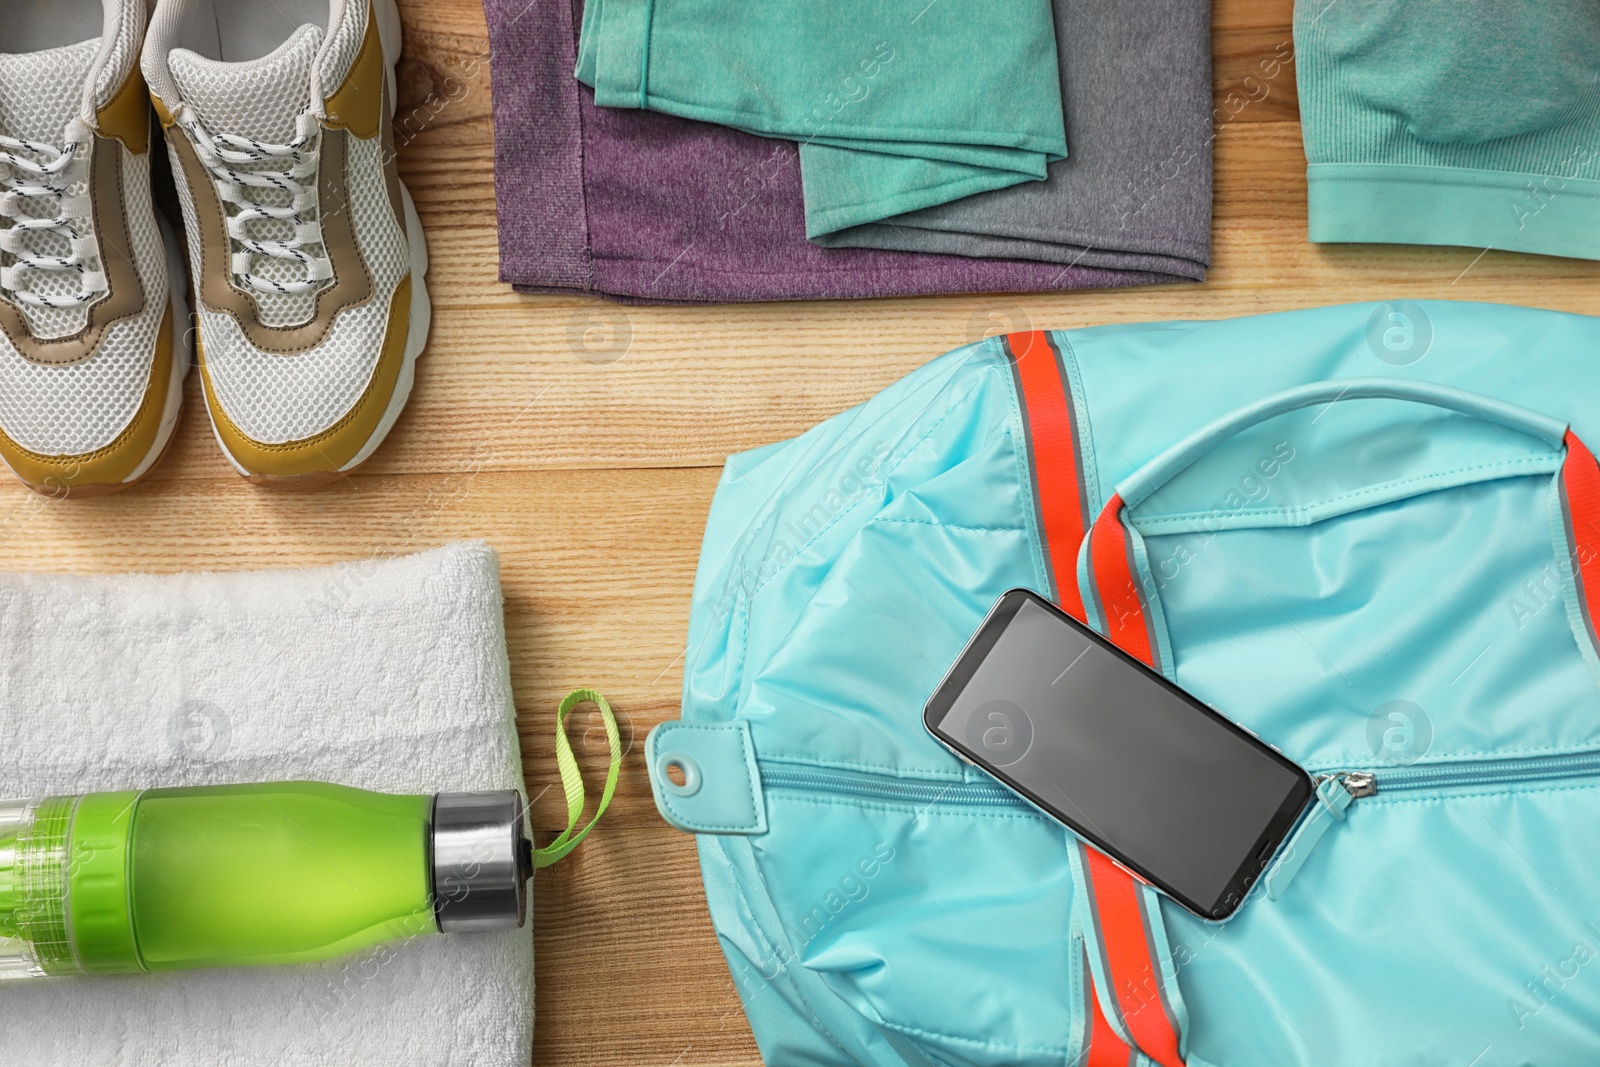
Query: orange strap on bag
(1061, 500)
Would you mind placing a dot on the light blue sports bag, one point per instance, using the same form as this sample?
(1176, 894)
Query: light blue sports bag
(1364, 532)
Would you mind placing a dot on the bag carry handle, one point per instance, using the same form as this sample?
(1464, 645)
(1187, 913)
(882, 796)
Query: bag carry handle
(1106, 559)
(1142, 483)
(1106, 566)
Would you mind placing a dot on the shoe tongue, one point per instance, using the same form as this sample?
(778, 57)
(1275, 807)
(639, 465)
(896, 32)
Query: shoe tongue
(40, 92)
(259, 99)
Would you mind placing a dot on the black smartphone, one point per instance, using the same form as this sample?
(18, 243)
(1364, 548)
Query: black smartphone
(1171, 790)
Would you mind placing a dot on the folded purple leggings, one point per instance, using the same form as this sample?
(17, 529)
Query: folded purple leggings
(650, 208)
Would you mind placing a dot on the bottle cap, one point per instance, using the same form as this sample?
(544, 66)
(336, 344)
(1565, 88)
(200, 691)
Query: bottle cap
(99, 908)
(482, 860)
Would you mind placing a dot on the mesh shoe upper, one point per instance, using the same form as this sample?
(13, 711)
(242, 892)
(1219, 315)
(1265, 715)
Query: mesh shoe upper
(40, 93)
(73, 376)
(285, 366)
(262, 105)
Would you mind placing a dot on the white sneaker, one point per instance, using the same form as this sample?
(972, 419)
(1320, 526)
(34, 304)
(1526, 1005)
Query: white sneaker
(306, 251)
(92, 329)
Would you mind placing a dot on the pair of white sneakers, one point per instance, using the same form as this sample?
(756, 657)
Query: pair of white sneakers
(305, 250)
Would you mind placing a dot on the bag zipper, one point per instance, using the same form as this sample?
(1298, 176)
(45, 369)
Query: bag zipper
(876, 785)
(1481, 772)
(1335, 793)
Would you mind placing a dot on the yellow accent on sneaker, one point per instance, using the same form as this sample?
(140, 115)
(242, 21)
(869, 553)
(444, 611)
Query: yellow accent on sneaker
(357, 105)
(127, 115)
(318, 457)
(161, 111)
(106, 469)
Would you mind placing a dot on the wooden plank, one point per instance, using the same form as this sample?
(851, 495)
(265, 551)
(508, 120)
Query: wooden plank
(629, 970)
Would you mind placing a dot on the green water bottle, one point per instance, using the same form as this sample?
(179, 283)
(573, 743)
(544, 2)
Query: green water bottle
(225, 876)
(277, 872)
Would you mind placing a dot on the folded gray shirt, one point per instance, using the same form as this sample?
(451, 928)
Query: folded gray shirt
(1134, 192)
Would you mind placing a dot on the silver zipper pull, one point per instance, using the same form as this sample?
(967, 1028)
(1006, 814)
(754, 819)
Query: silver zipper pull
(1359, 783)
(1335, 793)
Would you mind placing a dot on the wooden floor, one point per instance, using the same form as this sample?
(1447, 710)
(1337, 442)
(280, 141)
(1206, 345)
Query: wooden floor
(592, 480)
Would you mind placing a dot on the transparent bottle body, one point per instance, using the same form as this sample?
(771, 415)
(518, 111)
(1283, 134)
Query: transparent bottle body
(218, 876)
(34, 867)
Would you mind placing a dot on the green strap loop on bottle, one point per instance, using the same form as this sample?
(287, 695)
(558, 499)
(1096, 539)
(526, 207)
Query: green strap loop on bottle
(572, 778)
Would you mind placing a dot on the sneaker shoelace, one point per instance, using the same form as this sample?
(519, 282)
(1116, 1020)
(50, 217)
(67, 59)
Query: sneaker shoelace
(269, 194)
(45, 223)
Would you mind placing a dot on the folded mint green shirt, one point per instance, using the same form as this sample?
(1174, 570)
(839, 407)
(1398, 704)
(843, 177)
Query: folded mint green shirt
(897, 105)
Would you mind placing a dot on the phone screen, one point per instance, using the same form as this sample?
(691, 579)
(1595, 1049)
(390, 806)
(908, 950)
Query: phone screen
(1189, 801)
